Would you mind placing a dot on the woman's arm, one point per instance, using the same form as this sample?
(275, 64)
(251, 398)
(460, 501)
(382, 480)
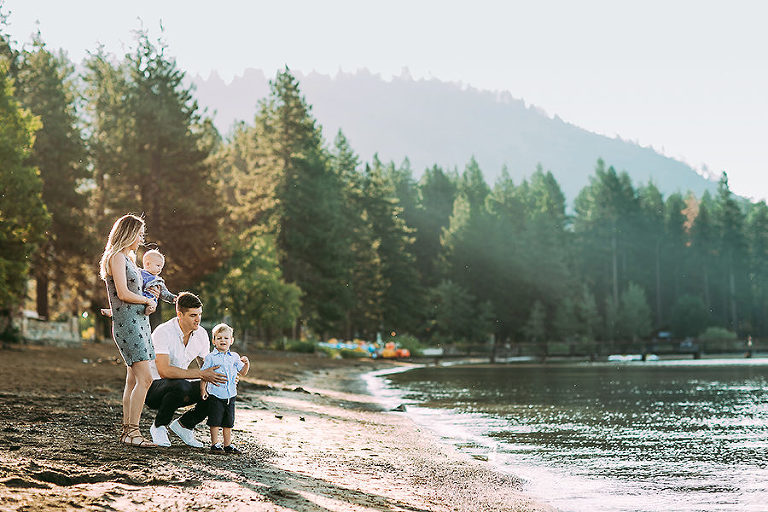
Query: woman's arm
(117, 264)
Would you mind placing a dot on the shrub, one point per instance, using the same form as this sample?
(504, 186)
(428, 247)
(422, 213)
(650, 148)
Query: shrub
(410, 342)
(689, 316)
(304, 347)
(330, 352)
(347, 353)
(717, 333)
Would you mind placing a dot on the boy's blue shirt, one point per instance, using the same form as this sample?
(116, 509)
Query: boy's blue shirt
(229, 364)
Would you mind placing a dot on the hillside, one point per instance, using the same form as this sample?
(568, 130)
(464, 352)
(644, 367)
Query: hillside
(430, 122)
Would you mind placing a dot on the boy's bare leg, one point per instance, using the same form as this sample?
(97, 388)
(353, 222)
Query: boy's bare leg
(214, 435)
(227, 436)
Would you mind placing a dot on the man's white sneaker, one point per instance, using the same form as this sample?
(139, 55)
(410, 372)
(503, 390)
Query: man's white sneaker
(159, 435)
(186, 435)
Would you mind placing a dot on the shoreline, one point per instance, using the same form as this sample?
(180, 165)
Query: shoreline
(314, 441)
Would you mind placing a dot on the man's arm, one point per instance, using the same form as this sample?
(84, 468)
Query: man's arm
(167, 371)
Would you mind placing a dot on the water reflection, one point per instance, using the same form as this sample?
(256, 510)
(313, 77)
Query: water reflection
(666, 436)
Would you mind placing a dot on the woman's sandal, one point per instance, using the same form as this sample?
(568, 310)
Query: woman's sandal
(132, 437)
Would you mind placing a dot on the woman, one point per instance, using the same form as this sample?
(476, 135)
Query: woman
(130, 323)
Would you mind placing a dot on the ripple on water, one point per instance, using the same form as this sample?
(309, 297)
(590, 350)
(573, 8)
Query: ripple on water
(657, 437)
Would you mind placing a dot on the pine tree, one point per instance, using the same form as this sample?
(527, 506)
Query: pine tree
(732, 247)
(757, 229)
(437, 192)
(360, 297)
(151, 151)
(286, 187)
(23, 216)
(674, 262)
(604, 226)
(651, 247)
(467, 242)
(45, 86)
(399, 286)
(704, 250)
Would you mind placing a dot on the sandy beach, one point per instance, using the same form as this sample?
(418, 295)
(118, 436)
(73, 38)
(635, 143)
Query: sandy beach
(313, 441)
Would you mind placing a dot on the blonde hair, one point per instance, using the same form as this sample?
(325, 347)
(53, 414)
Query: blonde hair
(153, 252)
(222, 327)
(123, 233)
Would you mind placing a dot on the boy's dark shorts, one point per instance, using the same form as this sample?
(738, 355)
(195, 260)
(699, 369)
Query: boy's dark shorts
(221, 413)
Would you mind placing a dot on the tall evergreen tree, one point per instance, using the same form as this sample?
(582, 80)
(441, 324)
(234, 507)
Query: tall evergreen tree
(151, 151)
(675, 262)
(23, 216)
(288, 189)
(362, 294)
(606, 213)
(45, 86)
(467, 241)
(436, 194)
(705, 251)
(394, 239)
(757, 229)
(651, 247)
(730, 221)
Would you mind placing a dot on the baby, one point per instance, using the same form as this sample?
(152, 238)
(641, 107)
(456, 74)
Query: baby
(220, 398)
(153, 263)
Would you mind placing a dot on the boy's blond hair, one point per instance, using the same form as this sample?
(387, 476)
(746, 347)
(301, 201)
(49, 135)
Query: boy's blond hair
(153, 252)
(222, 327)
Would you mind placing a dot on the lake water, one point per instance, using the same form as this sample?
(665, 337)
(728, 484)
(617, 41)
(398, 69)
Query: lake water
(655, 436)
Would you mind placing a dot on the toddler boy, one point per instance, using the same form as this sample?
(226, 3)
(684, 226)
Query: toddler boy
(220, 398)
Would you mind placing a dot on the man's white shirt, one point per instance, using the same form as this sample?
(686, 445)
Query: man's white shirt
(167, 338)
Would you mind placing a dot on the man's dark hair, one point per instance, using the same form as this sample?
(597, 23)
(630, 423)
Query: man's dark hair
(188, 300)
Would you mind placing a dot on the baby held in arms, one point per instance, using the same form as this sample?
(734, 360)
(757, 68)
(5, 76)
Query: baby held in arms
(153, 263)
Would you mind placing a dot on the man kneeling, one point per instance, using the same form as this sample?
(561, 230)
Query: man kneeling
(177, 343)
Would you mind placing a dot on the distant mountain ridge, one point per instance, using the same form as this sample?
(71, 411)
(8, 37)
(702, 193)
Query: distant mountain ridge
(433, 122)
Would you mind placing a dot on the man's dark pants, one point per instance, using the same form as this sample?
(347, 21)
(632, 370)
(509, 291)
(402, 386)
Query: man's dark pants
(167, 395)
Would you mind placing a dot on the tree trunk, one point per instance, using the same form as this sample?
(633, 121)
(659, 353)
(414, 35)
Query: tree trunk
(732, 293)
(42, 294)
(615, 270)
(659, 317)
(707, 298)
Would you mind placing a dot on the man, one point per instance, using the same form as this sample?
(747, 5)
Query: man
(177, 343)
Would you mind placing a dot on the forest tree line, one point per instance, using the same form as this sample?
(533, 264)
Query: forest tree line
(278, 229)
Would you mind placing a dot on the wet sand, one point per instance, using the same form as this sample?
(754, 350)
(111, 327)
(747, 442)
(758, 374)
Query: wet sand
(313, 441)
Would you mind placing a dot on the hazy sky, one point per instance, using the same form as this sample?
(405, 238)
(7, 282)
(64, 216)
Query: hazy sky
(689, 78)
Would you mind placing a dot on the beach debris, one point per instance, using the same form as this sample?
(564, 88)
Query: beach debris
(484, 458)
(282, 493)
(300, 389)
(399, 408)
(279, 416)
(301, 418)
